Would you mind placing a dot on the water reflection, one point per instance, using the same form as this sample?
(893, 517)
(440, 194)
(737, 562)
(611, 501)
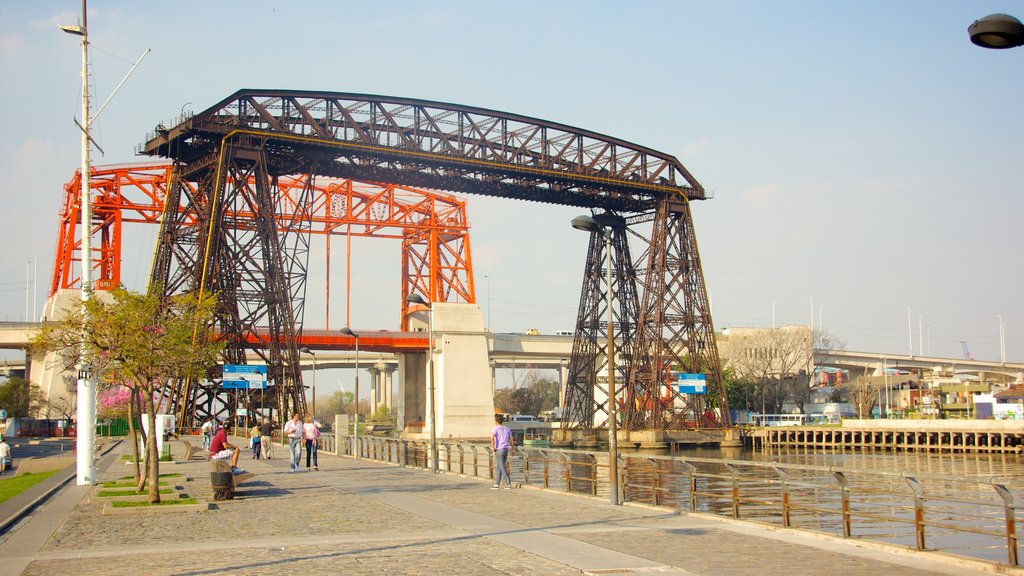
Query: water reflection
(882, 506)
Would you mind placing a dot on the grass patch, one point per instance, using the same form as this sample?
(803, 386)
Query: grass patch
(120, 484)
(109, 493)
(11, 487)
(168, 475)
(162, 503)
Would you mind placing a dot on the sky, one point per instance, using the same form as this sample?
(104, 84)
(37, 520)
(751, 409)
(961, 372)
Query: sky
(863, 156)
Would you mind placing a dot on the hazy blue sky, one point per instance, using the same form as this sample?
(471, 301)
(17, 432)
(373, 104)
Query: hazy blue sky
(864, 154)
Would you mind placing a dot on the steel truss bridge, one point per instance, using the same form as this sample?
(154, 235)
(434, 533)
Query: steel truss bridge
(253, 177)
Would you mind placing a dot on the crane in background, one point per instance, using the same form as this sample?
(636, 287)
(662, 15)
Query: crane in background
(967, 352)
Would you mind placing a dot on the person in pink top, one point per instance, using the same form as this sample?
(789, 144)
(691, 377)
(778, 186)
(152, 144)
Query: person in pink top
(503, 445)
(312, 432)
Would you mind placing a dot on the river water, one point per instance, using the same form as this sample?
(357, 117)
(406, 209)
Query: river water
(883, 504)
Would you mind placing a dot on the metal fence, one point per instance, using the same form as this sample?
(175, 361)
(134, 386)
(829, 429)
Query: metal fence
(971, 516)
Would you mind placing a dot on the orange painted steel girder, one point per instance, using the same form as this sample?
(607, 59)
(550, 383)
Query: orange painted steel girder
(433, 227)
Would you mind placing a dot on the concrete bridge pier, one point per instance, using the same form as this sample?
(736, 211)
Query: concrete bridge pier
(464, 401)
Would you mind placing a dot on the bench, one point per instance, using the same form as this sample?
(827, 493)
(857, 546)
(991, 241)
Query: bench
(191, 451)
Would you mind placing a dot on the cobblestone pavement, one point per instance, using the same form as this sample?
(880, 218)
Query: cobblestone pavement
(361, 517)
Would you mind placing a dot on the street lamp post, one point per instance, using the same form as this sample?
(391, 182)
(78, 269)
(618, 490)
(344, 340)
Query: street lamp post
(589, 224)
(997, 31)
(305, 350)
(86, 423)
(355, 428)
(417, 299)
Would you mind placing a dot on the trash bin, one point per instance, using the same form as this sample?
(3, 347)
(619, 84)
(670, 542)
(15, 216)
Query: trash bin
(223, 485)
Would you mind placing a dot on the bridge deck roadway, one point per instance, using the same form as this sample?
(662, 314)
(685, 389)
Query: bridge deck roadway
(361, 517)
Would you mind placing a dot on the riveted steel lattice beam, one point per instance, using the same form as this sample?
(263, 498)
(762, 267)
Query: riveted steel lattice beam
(460, 148)
(434, 145)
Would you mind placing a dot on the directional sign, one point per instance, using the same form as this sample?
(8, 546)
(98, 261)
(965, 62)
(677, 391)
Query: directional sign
(244, 377)
(692, 384)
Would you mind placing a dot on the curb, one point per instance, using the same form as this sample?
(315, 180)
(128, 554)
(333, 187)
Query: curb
(69, 474)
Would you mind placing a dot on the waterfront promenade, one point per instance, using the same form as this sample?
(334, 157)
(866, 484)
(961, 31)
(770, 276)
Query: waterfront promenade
(362, 517)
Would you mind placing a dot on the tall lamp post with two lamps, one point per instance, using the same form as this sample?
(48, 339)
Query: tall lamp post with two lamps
(417, 299)
(589, 224)
(306, 350)
(355, 428)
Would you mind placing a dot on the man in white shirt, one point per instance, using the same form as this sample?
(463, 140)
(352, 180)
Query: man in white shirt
(293, 429)
(207, 429)
(5, 453)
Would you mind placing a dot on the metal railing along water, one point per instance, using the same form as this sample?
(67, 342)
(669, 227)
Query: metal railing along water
(970, 516)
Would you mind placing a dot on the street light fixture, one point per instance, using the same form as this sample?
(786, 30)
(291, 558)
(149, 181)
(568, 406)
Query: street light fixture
(417, 299)
(589, 224)
(355, 428)
(306, 350)
(997, 31)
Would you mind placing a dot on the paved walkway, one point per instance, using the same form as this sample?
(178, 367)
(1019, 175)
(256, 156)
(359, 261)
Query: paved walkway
(362, 517)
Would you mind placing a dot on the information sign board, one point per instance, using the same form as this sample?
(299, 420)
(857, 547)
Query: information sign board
(244, 377)
(692, 384)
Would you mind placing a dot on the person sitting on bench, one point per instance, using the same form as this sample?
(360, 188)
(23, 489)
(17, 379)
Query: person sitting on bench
(220, 449)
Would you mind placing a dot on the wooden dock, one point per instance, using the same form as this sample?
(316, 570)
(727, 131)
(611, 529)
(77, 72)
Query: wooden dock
(990, 437)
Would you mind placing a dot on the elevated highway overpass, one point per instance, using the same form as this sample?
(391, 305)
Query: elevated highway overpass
(515, 351)
(386, 354)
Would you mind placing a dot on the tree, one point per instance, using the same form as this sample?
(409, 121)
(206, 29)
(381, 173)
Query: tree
(143, 342)
(337, 403)
(863, 392)
(20, 398)
(534, 396)
(742, 394)
(775, 361)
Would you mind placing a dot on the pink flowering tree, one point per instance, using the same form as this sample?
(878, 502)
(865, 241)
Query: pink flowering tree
(141, 343)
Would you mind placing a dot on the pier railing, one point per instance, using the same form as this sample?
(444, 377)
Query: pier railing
(971, 516)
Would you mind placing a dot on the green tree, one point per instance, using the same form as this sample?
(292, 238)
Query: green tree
(337, 403)
(742, 394)
(534, 396)
(144, 342)
(20, 398)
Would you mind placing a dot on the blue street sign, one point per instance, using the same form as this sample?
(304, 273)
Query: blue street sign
(244, 377)
(692, 384)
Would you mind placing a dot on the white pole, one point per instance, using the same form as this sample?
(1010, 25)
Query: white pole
(811, 298)
(613, 424)
(433, 397)
(920, 337)
(86, 425)
(1002, 340)
(910, 335)
(28, 272)
(35, 285)
(355, 428)
(821, 317)
(773, 314)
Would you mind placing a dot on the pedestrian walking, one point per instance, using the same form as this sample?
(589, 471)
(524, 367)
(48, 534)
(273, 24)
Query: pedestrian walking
(266, 439)
(255, 442)
(293, 429)
(312, 433)
(207, 429)
(503, 445)
(5, 454)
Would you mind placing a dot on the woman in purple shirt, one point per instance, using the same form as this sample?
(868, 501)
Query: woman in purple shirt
(503, 444)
